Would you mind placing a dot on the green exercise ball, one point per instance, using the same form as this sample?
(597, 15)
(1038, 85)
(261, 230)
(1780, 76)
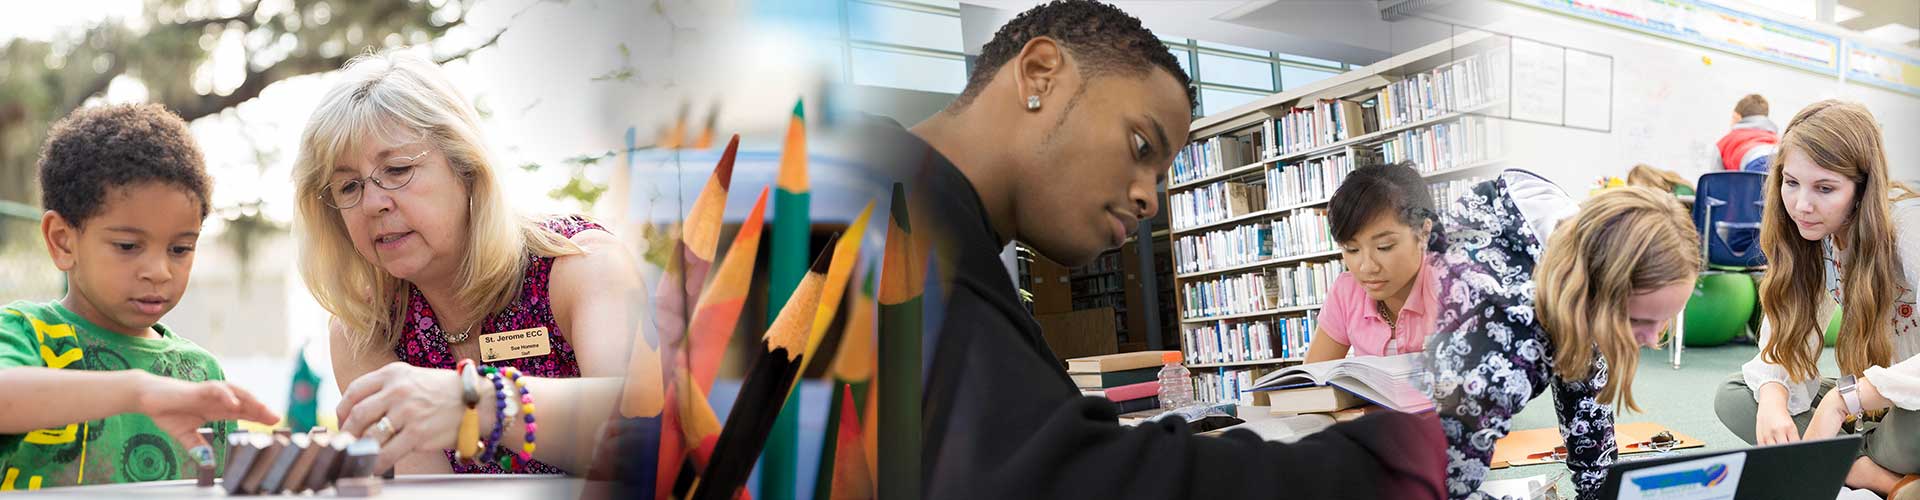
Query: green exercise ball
(1719, 309)
(1833, 328)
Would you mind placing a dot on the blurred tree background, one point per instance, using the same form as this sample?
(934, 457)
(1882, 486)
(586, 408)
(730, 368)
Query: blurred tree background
(168, 53)
(170, 48)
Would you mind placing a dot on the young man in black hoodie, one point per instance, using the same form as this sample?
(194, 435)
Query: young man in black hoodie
(1071, 117)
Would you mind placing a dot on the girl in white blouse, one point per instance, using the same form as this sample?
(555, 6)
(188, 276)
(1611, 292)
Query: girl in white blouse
(1837, 230)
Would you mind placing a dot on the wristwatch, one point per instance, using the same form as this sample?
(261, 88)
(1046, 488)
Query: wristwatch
(1848, 386)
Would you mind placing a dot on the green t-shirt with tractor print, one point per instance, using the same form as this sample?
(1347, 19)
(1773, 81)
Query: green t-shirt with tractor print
(121, 448)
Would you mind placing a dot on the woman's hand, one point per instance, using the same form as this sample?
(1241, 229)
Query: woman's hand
(421, 404)
(180, 408)
(1828, 417)
(1772, 423)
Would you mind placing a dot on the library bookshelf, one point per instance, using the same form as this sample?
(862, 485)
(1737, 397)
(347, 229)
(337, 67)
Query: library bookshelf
(1252, 254)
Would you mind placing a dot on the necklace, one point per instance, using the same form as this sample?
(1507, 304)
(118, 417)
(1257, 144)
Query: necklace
(462, 337)
(1389, 316)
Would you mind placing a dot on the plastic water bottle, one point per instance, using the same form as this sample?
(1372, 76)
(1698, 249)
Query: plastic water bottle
(1176, 384)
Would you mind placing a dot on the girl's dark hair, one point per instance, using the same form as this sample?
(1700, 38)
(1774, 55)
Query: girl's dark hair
(1375, 189)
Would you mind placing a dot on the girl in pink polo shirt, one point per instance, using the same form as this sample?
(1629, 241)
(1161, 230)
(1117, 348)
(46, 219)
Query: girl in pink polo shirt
(1382, 217)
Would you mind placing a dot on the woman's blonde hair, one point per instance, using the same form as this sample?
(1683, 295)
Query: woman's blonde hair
(1645, 175)
(399, 95)
(1841, 137)
(1624, 241)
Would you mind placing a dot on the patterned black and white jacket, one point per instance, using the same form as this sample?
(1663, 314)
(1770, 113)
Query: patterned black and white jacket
(1489, 355)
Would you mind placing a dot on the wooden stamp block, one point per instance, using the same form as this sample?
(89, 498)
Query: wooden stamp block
(276, 479)
(362, 456)
(309, 451)
(233, 443)
(246, 451)
(204, 477)
(326, 465)
(262, 463)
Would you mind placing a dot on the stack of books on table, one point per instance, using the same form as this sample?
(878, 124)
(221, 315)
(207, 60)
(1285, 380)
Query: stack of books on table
(1131, 380)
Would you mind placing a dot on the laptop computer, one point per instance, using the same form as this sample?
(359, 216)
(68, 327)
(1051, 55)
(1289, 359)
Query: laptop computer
(1801, 470)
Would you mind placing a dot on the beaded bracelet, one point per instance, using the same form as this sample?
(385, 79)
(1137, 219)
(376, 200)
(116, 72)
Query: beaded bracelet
(500, 412)
(468, 435)
(526, 410)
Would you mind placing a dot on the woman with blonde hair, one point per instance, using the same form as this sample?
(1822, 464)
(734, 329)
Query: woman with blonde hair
(1542, 294)
(407, 239)
(1836, 230)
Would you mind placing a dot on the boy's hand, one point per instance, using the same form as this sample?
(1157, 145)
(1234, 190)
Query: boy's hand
(180, 408)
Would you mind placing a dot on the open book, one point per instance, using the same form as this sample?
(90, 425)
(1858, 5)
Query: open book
(1382, 380)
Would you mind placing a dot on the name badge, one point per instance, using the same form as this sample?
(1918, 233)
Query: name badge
(515, 344)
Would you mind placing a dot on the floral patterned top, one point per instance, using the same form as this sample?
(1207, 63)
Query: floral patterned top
(424, 345)
(1490, 355)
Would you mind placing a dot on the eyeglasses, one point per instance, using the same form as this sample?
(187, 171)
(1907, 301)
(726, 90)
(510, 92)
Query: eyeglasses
(346, 193)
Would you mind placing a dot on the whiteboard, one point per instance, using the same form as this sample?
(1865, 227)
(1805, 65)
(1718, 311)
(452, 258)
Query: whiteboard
(1589, 90)
(1539, 81)
(1672, 101)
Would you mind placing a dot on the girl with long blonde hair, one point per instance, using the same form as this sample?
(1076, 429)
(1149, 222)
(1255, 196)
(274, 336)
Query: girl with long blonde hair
(1837, 230)
(1542, 294)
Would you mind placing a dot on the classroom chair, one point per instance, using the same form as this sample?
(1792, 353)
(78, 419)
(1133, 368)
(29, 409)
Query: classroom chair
(1726, 210)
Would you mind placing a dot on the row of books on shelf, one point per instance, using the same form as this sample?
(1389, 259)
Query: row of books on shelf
(1307, 181)
(1444, 145)
(1221, 386)
(1302, 284)
(1303, 232)
(1098, 284)
(1307, 283)
(1232, 341)
(1213, 155)
(1317, 124)
(1231, 294)
(1242, 244)
(1106, 263)
(1298, 233)
(1463, 84)
(1445, 192)
(1216, 202)
(1114, 300)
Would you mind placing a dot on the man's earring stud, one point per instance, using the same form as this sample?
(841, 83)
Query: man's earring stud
(1033, 102)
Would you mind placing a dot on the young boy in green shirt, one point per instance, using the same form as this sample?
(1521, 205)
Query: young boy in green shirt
(92, 389)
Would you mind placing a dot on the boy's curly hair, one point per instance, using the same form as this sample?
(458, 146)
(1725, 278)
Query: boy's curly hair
(98, 148)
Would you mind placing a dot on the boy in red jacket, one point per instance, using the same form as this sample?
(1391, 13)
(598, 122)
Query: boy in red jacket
(1750, 145)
